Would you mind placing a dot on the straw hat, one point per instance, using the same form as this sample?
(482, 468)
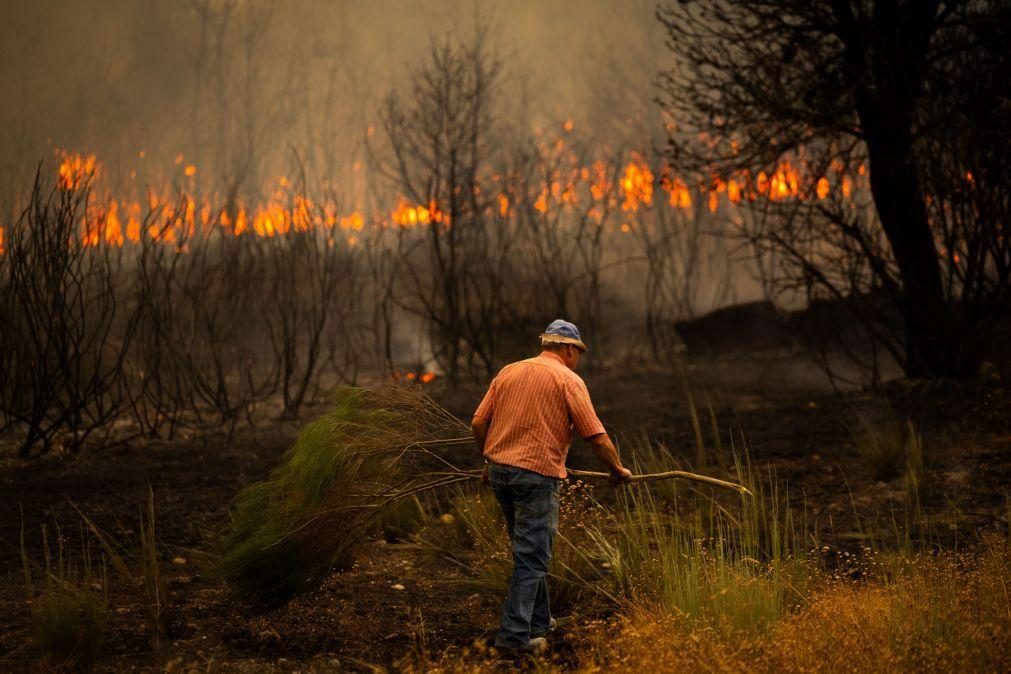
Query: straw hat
(562, 332)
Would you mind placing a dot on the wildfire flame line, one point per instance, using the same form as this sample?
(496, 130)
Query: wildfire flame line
(117, 221)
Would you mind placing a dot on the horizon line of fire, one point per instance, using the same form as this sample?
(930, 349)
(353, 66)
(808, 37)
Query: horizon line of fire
(116, 221)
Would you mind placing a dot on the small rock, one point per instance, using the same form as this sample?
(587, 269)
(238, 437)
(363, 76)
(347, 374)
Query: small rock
(179, 561)
(447, 518)
(398, 586)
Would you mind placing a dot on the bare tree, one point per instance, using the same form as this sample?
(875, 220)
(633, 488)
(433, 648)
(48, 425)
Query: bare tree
(441, 158)
(65, 334)
(756, 82)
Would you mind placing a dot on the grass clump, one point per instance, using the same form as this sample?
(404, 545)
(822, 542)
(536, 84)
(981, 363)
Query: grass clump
(367, 454)
(69, 607)
(889, 449)
(141, 571)
(730, 567)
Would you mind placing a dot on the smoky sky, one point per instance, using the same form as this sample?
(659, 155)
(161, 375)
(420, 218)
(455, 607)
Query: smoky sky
(238, 87)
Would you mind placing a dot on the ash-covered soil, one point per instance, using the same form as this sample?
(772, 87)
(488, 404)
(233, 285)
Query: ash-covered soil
(776, 403)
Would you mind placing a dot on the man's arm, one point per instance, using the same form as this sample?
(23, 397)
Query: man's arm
(479, 427)
(606, 452)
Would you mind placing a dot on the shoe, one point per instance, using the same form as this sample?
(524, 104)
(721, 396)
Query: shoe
(535, 646)
(551, 628)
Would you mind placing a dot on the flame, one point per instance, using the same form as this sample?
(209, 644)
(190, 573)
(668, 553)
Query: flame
(680, 197)
(637, 185)
(823, 187)
(503, 205)
(354, 221)
(407, 215)
(75, 170)
(115, 221)
(785, 183)
(600, 187)
(542, 202)
(423, 377)
(733, 191)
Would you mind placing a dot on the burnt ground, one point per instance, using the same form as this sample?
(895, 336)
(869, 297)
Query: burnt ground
(794, 425)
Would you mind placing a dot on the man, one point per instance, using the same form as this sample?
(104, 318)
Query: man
(523, 428)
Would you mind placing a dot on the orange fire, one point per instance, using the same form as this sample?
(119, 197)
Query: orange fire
(680, 196)
(637, 185)
(115, 221)
(422, 377)
(407, 215)
(75, 170)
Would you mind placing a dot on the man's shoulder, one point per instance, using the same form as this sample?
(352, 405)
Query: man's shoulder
(557, 369)
(562, 374)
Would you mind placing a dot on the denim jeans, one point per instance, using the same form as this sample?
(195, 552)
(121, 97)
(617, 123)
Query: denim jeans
(530, 504)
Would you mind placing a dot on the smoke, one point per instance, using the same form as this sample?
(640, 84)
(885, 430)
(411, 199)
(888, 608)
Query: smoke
(245, 90)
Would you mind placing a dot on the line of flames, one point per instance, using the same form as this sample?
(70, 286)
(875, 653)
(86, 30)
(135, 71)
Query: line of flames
(116, 221)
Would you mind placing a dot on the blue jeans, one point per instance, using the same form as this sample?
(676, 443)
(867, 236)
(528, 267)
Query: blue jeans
(530, 504)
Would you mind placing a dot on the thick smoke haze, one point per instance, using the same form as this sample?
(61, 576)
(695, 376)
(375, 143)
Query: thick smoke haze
(239, 88)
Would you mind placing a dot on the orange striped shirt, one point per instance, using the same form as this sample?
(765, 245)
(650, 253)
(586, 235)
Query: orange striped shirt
(532, 407)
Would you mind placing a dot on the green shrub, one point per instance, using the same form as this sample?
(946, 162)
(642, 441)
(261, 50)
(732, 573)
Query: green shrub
(347, 468)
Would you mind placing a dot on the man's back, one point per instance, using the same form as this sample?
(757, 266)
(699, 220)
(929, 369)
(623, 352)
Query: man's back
(532, 406)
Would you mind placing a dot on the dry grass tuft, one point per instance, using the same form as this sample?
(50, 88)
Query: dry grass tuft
(69, 607)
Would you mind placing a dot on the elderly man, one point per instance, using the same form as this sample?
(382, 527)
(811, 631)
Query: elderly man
(523, 427)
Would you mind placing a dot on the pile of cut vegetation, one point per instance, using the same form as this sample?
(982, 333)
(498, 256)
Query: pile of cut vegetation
(370, 451)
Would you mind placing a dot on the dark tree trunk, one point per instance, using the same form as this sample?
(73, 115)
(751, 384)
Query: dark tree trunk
(884, 67)
(930, 331)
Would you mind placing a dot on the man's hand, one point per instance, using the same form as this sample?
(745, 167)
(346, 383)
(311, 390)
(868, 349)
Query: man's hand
(619, 475)
(606, 452)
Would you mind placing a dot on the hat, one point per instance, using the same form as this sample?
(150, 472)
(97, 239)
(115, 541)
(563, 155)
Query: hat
(562, 332)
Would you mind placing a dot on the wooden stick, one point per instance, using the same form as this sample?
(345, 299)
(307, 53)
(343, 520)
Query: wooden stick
(649, 477)
(670, 474)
